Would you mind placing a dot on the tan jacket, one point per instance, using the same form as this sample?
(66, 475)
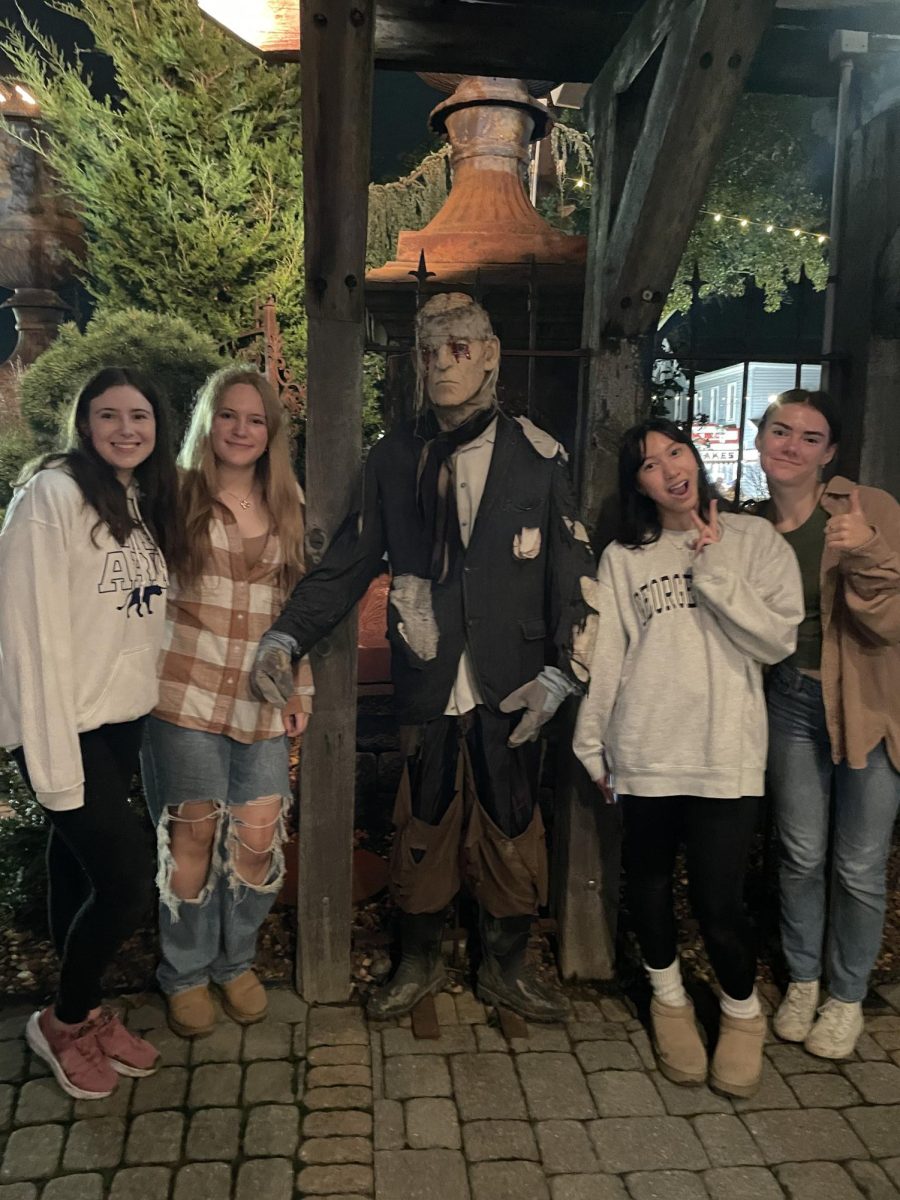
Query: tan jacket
(861, 630)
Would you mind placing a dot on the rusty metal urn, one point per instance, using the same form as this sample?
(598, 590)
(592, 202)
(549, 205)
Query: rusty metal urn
(489, 240)
(488, 218)
(38, 231)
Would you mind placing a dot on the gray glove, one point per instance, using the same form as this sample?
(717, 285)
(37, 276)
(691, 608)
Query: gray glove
(540, 698)
(272, 676)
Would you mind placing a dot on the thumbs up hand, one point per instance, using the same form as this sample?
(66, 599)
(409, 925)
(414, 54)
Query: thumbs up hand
(849, 530)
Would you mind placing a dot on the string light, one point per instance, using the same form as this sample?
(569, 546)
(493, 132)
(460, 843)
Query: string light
(743, 222)
(768, 226)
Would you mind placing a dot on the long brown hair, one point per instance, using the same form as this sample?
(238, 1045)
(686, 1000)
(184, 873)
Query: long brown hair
(274, 472)
(155, 476)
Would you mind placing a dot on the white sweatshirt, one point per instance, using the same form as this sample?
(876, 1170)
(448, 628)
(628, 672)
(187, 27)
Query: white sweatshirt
(675, 702)
(80, 630)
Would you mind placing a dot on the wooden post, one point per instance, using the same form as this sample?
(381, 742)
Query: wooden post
(658, 112)
(866, 375)
(336, 64)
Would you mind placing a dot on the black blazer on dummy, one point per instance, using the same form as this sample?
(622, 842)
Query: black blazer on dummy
(504, 607)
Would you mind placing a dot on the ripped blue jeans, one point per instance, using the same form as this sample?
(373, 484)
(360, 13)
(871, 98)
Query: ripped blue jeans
(219, 809)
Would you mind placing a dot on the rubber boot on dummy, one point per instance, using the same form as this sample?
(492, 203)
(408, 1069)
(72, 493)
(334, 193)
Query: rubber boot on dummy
(504, 978)
(421, 971)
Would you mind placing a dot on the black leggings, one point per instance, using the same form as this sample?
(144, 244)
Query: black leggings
(717, 836)
(99, 866)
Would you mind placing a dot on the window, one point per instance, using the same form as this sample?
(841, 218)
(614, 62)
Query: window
(713, 405)
(731, 405)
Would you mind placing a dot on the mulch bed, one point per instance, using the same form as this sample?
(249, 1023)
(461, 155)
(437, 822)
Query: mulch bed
(28, 963)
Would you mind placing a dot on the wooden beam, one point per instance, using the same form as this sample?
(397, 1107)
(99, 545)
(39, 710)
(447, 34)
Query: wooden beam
(567, 41)
(585, 875)
(483, 39)
(337, 37)
(640, 41)
(701, 74)
(865, 368)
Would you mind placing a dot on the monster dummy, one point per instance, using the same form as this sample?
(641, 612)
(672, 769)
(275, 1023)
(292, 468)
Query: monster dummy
(490, 616)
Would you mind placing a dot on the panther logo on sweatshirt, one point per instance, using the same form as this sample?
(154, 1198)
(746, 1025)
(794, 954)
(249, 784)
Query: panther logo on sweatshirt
(135, 571)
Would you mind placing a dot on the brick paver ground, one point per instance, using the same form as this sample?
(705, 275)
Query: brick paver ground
(318, 1103)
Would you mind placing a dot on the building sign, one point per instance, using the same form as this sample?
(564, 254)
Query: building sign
(715, 435)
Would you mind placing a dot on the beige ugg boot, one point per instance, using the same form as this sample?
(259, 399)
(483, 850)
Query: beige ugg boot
(676, 1039)
(191, 1013)
(244, 999)
(738, 1059)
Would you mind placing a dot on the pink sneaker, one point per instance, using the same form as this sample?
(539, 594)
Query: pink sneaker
(127, 1054)
(80, 1067)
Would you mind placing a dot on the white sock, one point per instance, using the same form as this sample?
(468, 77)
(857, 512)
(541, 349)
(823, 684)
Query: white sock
(742, 1009)
(667, 985)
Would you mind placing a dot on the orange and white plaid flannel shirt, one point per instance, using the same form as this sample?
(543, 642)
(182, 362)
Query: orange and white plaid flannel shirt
(212, 631)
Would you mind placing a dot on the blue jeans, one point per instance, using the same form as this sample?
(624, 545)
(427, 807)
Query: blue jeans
(803, 780)
(192, 777)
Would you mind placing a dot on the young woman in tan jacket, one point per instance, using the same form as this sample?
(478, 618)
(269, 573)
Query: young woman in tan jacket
(834, 721)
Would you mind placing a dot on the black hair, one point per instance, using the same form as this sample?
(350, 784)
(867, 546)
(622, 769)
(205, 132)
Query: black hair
(639, 523)
(822, 402)
(156, 476)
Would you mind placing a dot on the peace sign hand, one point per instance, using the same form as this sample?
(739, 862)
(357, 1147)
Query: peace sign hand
(850, 530)
(707, 531)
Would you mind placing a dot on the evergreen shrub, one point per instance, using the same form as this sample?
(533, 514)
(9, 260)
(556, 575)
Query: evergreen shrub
(169, 351)
(17, 445)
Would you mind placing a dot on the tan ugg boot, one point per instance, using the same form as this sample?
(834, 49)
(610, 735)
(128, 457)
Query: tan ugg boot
(191, 1013)
(244, 999)
(738, 1060)
(676, 1039)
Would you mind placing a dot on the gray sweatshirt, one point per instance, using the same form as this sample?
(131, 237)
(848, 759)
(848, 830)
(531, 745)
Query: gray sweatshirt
(675, 702)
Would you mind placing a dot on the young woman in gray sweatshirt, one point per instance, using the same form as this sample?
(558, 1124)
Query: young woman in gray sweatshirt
(692, 603)
(82, 609)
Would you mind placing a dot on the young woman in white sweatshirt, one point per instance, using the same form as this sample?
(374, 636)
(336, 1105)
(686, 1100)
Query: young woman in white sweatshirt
(82, 606)
(692, 602)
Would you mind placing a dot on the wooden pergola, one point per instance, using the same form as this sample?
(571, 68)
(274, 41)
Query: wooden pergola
(665, 76)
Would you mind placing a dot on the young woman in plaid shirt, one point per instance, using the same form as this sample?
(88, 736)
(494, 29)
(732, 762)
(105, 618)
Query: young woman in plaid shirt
(215, 758)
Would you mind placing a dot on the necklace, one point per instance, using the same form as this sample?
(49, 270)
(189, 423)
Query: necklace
(245, 503)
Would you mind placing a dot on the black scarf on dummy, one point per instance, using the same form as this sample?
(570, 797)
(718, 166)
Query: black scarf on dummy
(435, 493)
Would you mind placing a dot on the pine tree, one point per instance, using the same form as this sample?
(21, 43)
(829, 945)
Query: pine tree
(189, 179)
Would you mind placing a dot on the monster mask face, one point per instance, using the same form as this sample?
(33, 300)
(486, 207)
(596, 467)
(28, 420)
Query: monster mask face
(458, 356)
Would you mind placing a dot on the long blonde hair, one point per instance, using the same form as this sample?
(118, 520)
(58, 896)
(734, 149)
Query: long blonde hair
(274, 473)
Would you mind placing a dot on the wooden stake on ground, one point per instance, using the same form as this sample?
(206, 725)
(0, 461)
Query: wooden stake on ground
(512, 1024)
(336, 62)
(424, 1019)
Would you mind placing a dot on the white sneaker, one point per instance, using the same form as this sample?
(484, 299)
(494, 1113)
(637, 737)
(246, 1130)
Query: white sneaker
(797, 1011)
(835, 1033)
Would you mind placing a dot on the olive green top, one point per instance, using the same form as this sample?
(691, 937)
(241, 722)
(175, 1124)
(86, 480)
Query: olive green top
(807, 542)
